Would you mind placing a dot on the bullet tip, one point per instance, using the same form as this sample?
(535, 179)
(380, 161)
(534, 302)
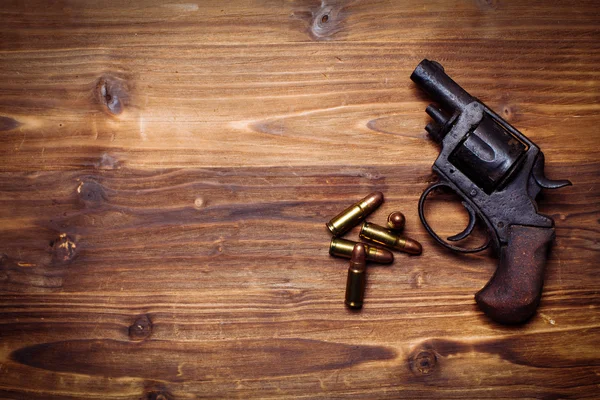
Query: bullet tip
(359, 254)
(413, 247)
(375, 199)
(384, 257)
(396, 221)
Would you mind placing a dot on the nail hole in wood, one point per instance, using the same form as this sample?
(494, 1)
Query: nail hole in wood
(141, 328)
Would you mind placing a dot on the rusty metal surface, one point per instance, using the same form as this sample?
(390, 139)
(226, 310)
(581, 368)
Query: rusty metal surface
(514, 292)
(498, 172)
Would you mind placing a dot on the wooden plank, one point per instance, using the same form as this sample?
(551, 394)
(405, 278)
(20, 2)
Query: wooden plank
(228, 272)
(239, 105)
(166, 171)
(109, 24)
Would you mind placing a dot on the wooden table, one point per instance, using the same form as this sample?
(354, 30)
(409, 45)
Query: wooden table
(167, 170)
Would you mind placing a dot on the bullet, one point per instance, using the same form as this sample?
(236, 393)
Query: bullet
(343, 248)
(386, 237)
(354, 214)
(396, 221)
(357, 277)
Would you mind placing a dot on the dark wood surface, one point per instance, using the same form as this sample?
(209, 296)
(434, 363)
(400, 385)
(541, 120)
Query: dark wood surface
(166, 171)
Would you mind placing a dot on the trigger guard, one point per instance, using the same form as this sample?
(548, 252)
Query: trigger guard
(467, 231)
(434, 235)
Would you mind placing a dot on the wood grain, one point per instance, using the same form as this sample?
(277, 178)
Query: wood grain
(166, 171)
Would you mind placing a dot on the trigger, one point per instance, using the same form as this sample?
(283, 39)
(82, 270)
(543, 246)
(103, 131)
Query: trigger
(470, 225)
(540, 178)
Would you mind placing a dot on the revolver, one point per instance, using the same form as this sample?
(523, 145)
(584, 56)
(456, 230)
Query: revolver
(498, 172)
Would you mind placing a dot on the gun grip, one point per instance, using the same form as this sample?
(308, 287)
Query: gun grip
(513, 293)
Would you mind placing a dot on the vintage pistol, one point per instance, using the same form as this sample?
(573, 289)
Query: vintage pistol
(498, 173)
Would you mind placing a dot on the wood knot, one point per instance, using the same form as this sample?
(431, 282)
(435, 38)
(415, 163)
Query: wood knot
(422, 362)
(509, 112)
(157, 396)
(326, 22)
(7, 124)
(154, 390)
(107, 162)
(64, 249)
(141, 328)
(91, 194)
(160, 396)
(418, 279)
(112, 94)
(487, 5)
(563, 217)
(390, 125)
(199, 203)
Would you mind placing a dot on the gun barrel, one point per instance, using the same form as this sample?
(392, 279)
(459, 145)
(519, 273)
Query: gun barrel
(430, 76)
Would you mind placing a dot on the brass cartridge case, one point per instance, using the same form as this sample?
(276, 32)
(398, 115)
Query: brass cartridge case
(357, 277)
(386, 237)
(354, 214)
(343, 248)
